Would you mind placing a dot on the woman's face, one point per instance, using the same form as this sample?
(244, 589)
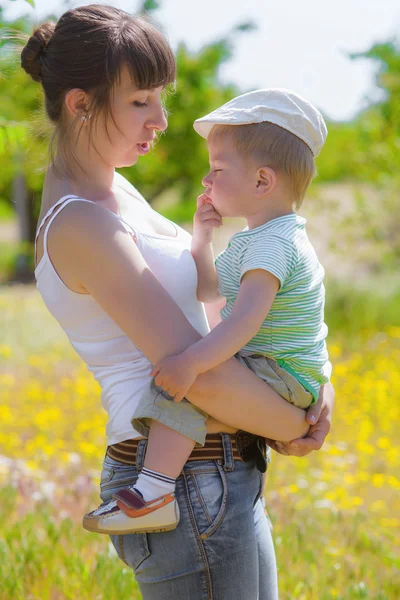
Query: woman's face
(138, 115)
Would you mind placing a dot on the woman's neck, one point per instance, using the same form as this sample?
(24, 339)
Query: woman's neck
(93, 179)
(98, 187)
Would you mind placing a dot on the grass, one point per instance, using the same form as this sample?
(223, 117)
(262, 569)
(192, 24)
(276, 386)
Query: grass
(335, 513)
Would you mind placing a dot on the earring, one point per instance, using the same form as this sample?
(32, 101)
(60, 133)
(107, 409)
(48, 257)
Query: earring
(83, 119)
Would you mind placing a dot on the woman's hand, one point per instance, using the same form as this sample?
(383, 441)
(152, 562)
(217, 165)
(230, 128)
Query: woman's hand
(319, 416)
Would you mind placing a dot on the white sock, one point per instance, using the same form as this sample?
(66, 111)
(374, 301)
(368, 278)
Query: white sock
(152, 484)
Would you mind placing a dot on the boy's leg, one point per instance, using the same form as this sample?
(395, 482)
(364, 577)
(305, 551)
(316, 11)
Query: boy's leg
(150, 504)
(280, 380)
(175, 428)
(182, 417)
(166, 455)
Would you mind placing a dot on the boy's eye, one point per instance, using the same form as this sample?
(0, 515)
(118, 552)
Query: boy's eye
(139, 104)
(217, 170)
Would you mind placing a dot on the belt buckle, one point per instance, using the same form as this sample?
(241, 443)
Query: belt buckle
(252, 447)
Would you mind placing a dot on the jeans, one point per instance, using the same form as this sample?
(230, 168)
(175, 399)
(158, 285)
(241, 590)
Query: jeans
(222, 548)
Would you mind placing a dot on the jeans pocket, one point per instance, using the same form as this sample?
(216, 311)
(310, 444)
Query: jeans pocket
(132, 549)
(208, 496)
(106, 474)
(115, 476)
(260, 493)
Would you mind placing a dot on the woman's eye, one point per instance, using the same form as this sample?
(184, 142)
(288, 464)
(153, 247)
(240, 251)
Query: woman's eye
(217, 170)
(139, 104)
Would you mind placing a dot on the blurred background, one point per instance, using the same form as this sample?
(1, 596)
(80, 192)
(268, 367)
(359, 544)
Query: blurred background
(336, 513)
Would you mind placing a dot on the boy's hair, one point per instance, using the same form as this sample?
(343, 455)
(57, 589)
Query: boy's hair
(275, 147)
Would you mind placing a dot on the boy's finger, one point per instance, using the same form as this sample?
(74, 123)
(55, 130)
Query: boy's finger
(212, 219)
(206, 208)
(201, 200)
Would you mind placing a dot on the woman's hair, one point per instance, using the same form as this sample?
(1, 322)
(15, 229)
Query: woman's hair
(87, 49)
(270, 145)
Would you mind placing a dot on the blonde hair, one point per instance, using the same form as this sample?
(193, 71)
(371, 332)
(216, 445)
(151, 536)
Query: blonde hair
(275, 147)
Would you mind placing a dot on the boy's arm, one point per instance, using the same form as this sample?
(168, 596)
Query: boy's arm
(258, 289)
(205, 219)
(207, 280)
(176, 374)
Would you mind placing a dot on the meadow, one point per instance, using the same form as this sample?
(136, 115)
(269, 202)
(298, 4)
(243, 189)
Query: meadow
(336, 513)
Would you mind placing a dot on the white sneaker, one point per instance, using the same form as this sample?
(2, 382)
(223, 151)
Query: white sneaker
(160, 514)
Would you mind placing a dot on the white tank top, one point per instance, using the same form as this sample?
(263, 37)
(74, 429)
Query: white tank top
(121, 369)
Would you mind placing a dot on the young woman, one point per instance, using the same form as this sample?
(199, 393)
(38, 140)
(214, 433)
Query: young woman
(120, 280)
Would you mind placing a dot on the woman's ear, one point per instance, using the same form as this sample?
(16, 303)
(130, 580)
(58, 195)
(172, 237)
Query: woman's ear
(77, 103)
(266, 181)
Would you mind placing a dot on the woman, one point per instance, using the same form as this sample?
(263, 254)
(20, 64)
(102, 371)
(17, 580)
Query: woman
(110, 270)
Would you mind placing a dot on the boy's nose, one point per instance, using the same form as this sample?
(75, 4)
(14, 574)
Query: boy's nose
(206, 181)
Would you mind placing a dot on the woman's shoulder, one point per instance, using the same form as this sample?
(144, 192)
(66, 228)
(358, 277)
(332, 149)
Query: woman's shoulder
(83, 222)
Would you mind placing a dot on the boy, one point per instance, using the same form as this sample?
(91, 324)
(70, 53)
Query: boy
(262, 147)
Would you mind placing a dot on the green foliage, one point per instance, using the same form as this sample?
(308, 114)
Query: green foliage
(364, 150)
(180, 159)
(367, 149)
(149, 5)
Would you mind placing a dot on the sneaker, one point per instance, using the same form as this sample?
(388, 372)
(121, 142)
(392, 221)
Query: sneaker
(160, 514)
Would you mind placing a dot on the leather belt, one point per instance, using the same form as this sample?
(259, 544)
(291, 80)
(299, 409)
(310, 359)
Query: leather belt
(244, 447)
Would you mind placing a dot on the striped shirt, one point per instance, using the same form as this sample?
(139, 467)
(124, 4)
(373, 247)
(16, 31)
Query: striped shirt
(293, 332)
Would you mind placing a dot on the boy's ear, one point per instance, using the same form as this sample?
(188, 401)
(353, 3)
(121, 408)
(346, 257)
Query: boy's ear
(266, 181)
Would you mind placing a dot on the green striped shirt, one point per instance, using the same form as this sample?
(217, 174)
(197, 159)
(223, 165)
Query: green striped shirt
(293, 332)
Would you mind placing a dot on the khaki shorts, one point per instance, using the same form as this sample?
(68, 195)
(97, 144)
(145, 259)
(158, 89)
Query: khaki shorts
(190, 421)
(285, 384)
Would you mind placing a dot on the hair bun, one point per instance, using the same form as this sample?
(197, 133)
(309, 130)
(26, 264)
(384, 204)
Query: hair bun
(33, 51)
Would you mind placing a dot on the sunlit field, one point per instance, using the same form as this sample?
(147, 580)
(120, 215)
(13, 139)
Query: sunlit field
(336, 514)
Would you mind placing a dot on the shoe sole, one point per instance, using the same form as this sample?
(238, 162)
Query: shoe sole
(124, 532)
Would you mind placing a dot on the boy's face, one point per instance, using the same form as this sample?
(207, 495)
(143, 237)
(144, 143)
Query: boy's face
(232, 180)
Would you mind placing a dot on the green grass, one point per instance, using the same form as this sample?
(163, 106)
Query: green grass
(352, 311)
(335, 513)
(43, 557)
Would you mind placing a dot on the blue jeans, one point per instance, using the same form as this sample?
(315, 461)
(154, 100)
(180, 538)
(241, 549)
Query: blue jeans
(222, 548)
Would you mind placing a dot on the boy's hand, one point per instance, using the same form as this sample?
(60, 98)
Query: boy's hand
(204, 220)
(175, 375)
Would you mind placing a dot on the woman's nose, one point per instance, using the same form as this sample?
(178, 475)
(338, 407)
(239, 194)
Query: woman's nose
(158, 120)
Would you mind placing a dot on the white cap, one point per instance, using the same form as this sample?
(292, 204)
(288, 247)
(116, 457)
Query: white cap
(279, 106)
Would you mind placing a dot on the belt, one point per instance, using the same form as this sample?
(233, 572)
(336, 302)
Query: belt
(245, 447)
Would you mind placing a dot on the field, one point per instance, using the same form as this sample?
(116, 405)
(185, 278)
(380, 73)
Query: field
(336, 514)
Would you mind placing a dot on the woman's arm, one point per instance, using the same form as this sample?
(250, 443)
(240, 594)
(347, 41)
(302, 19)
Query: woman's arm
(319, 416)
(89, 242)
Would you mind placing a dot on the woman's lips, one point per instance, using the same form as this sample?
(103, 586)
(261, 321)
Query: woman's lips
(143, 148)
